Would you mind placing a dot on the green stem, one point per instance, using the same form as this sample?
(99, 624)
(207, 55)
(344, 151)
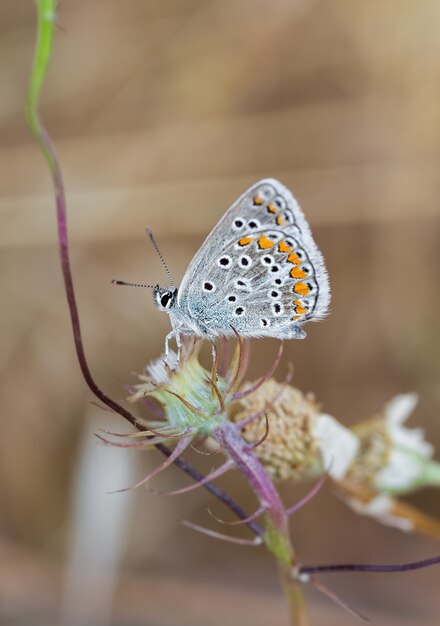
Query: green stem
(46, 19)
(276, 528)
(294, 596)
(276, 535)
(46, 11)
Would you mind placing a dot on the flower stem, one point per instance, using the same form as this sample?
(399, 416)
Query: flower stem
(247, 462)
(294, 596)
(276, 533)
(46, 16)
(46, 12)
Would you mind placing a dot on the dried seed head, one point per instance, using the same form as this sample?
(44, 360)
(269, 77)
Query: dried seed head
(290, 449)
(374, 450)
(392, 457)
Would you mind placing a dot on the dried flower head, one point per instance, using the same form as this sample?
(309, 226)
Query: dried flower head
(188, 395)
(290, 449)
(302, 442)
(192, 399)
(292, 439)
(393, 458)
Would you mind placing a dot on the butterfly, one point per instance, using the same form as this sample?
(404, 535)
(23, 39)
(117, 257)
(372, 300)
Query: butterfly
(259, 273)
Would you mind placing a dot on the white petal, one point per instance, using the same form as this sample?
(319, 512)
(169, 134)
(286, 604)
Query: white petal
(400, 473)
(338, 445)
(412, 439)
(157, 369)
(400, 408)
(380, 508)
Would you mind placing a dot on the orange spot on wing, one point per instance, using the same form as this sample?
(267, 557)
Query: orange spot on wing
(297, 303)
(264, 242)
(294, 258)
(300, 310)
(244, 241)
(283, 247)
(297, 272)
(296, 317)
(301, 288)
(280, 221)
(258, 200)
(271, 208)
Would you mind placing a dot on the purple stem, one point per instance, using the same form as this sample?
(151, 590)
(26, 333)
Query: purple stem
(254, 515)
(257, 541)
(246, 461)
(311, 494)
(263, 379)
(212, 476)
(218, 493)
(178, 450)
(63, 241)
(404, 567)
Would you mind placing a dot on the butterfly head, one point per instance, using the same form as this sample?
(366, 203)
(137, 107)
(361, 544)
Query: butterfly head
(164, 297)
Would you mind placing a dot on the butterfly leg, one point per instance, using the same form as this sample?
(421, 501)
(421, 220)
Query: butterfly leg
(167, 344)
(213, 353)
(173, 334)
(179, 347)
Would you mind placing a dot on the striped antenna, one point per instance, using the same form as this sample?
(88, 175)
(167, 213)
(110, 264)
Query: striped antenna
(153, 241)
(123, 282)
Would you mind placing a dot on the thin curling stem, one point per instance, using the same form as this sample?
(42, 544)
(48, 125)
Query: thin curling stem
(246, 392)
(256, 541)
(384, 569)
(46, 13)
(46, 18)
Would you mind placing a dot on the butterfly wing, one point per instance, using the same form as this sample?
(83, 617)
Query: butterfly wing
(259, 271)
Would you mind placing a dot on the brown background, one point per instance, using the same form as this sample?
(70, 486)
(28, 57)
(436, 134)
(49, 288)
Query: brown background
(163, 111)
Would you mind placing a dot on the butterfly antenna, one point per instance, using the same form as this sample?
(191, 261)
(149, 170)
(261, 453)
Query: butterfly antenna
(153, 241)
(123, 282)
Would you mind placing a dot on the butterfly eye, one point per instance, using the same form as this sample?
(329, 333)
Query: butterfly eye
(224, 261)
(238, 223)
(209, 286)
(165, 299)
(245, 260)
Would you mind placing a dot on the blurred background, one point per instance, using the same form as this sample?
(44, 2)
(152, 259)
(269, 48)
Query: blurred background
(163, 112)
